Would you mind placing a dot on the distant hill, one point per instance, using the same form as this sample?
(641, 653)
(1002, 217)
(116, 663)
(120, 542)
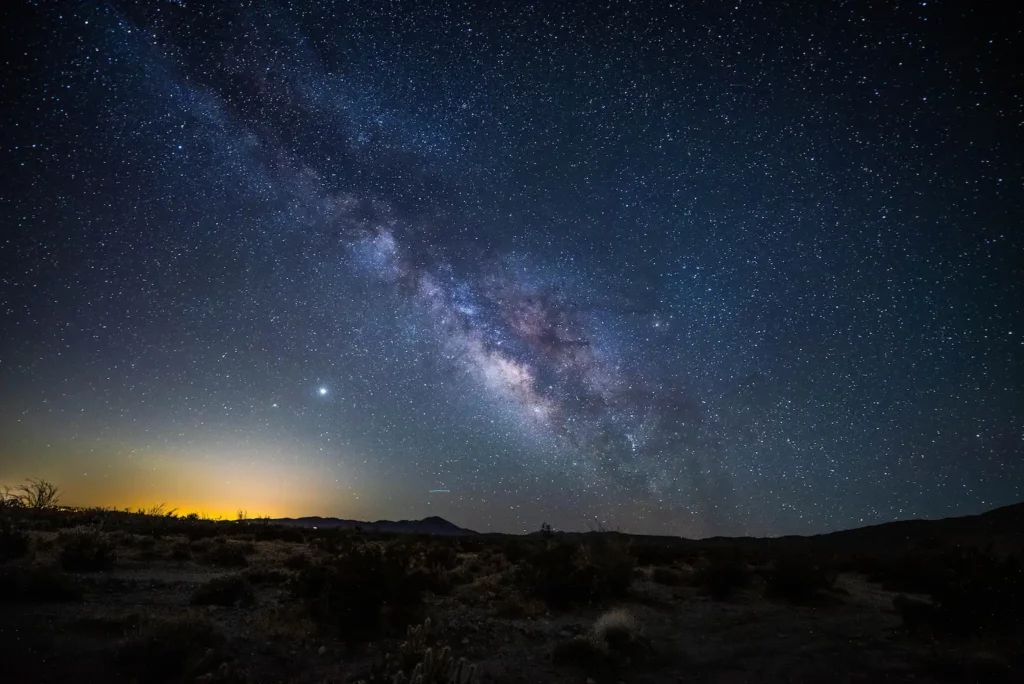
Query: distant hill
(431, 525)
(999, 528)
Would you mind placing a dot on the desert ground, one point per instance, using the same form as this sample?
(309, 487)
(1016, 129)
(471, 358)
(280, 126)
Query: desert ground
(107, 596)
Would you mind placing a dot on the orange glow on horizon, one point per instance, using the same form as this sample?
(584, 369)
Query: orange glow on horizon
(217, 485)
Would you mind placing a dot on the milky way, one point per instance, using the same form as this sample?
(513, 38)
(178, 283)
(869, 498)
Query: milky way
(689, 270)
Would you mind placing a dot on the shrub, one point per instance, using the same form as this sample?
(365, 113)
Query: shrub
(419, 662)
(723, 575)
(916, 613)
(265, 576)
(667, 576)
(36, 583)
(181, 550)
(360, 592)
(584, 651)
(563, 574)
(179, 649)
(979, 592)
(86, 549)
(13, 542)
(226, 590)
(440, 554)
(618, 629)
(614, 642)
(297, 561)
(798, 578)
(228, 554)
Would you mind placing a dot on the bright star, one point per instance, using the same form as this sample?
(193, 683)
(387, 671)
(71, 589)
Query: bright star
(323, 391)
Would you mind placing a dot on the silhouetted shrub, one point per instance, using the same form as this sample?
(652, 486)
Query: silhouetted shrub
(980, 592)
(916, 613)
(613, 643)
(36, 583)
(564, 574)
(228, 554)
(181, 550)
(667, 576)
(361, 592)
(266, 576)
(297, 561)
(180, 649)
(226, 590)
(440, 554)
(13, 542)
(798, 578)
(85, 549)
(723, 575)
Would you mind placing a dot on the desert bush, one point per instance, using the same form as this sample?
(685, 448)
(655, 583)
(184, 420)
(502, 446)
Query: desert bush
(798, 578)
(226, 590)
(226, 554)
(36, 583)
(297, 561)
(421, 659)
(584, 651)
(13, 542)
(35, 493)
(614, 642)
(180, 649)
(85, 549)
(360, 593)
(723, 575)
(915, 613)
(618, 629)
(979, 592)
(563, 573)
(667, 576)
(265, 576)
(181, 550)
(440, 554)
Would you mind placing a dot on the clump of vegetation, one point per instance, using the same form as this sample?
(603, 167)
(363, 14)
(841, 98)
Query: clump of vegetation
(228, 554)
(667, 576)
(86, 549)
(421, 659)
(297, 561)
(180, 649)
(973, 593)
(36, 494)
(723, 575)
(13, 542)
(360, 593)
(264, 575)
(226, 590)
(615, 642)
(36, 583)
(798, 578)
(181, 551)
(564, 574)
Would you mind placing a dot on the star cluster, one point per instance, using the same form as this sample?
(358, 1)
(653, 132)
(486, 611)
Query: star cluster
(674, 268)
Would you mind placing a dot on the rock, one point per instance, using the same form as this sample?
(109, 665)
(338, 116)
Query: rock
(323, 649)
(465, 640)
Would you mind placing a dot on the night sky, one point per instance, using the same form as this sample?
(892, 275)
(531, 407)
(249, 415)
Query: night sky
(677, 268)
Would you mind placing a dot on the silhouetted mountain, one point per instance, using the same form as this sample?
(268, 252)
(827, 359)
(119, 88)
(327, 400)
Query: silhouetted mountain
(431, 525)
(998, 528)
